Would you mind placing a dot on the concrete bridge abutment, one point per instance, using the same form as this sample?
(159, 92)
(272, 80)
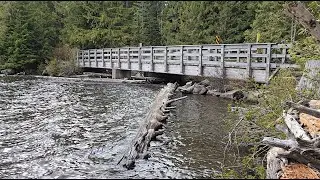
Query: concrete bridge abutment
(120, 74)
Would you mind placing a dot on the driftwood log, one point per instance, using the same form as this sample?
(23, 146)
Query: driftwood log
(300, 152)
(151, 127)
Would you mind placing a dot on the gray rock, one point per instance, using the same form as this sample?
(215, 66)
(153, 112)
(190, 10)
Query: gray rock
(7, 71)
(205, 82)
(203, 91)
(197, 88)
(21, 73)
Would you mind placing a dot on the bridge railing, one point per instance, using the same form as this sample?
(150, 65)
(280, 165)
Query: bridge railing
(248, 56)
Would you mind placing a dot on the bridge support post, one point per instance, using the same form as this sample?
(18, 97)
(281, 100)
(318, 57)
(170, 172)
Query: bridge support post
(120, 74)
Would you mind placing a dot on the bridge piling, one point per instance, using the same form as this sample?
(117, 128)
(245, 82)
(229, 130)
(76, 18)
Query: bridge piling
(120, 74)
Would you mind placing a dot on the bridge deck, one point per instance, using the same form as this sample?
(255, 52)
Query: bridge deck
(234, 61)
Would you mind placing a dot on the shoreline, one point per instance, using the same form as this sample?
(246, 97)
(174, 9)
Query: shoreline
(82, 79)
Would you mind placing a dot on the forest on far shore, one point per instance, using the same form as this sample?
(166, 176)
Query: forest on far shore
(35, 34)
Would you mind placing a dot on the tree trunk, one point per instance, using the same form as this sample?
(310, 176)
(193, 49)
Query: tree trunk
(305, 18)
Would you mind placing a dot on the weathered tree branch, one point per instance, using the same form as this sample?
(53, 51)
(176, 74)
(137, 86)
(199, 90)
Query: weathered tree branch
(304, 109)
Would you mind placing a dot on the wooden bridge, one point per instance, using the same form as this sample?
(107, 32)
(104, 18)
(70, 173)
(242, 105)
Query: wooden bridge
(233, 61)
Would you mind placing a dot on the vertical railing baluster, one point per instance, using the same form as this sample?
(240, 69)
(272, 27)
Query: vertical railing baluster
(284, 52)
(95, 57)
(166, 59)
(119, 63)
(249, 70)
(222, 62)
(181, 60)
(102, 57)
(139, 59)
(89, 57)
(111, 63)
(200, 61)
(129, 63)
(152, 66)
(238, 55)
(268, 60)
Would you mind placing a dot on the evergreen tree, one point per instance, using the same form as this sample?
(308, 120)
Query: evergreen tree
(30, 34)
(148, 16)
(270, 21)
(170, 22)
(97, 24)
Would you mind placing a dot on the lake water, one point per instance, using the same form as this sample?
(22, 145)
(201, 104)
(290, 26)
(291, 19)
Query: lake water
(65, 129)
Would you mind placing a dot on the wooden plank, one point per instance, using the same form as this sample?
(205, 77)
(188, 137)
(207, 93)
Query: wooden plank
(191, 54)
(255, 55)
(278, 56)
(200, 61)
(139, 59)
(268, 59)
(234, 55)
(249, 70)
(181, 60)
(173, 53)
(158, 53)
(211, 54)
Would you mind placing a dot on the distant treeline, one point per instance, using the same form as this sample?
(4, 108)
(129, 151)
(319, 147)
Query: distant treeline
(31, 31)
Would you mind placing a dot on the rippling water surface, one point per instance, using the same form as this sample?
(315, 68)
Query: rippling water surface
(64, 129)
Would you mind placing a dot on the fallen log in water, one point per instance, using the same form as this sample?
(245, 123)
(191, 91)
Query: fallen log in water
(151, 127)
(299, 153)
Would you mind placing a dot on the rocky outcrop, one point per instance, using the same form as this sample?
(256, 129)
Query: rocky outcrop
(195, 88)
(204, 87)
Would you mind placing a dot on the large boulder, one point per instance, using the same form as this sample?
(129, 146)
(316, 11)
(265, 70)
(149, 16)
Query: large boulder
(7, 71)
(204, 91)
(197, 88)
(188, 88)
(234, 94)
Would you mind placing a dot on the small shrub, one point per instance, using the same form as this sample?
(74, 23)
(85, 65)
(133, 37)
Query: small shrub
(63, 62)
(304, 50)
